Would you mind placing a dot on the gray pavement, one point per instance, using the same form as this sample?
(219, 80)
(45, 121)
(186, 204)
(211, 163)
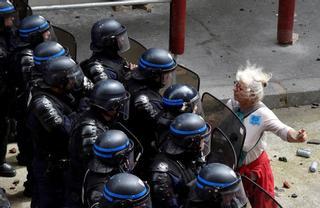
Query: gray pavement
(221, 35)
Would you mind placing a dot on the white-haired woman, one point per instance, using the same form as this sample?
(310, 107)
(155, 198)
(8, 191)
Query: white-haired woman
(258, 118)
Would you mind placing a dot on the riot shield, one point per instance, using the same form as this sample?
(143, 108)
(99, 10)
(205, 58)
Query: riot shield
(133, 54)
(221, 150)
(257, 196)
(184, 75)
(138, 149)
(67, 40)
(219, 115)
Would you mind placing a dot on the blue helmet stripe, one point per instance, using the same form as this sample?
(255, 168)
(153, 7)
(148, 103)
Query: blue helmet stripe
(7, 9)
(109, 194)
(199, 185)
(181, 132)
(103, 155)
(46, 24)
(214, 184)
(107, 197)
(172, 102)
(108, 150)
(45, 58)
(146, 64)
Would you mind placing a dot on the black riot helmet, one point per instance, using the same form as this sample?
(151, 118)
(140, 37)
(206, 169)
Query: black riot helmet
(108, 34)
(182, 98)
(48, 50)
(155, 67)
(63, 72)
(125, 190)
(32, 27)
(112, 150)
(189, 134)
(218, 184)
(110, 96)
(6, 10)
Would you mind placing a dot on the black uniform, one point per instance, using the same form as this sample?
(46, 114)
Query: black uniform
(180, 161)
(155, 66)
(217, 185)
(108, 39)
(113, 153)
(108, 101)
(50, 118)
(7, 36)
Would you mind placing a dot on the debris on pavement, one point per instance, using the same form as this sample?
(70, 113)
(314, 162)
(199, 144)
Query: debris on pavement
(294, 196)
(313, 141)
(303, 152)
(286, 185)
(313, 167)
(283, 159)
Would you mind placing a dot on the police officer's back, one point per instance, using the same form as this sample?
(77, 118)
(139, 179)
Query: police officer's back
(181, 158)
(49, 119)
(108, 39)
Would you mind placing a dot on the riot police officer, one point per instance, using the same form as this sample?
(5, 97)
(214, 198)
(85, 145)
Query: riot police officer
(217, 185)
(108, 39)
(177, 99)
(125, 190)
(182, 156)
(113, 153)
(154, 71)
(49, 119)
(109, 102)
(50, 50)
(7, 12)
(32, 31)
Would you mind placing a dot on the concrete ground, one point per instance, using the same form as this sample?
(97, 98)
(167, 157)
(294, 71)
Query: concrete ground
(220, 36)
(302, 183)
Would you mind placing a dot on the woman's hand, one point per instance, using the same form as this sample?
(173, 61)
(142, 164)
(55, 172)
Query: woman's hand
(297, 136)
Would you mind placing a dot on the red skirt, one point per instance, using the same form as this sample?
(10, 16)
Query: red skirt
(260, 172)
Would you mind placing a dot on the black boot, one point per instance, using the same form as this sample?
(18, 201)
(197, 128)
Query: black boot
(7, 170)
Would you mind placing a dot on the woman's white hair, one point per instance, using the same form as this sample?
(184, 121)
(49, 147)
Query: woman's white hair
(253, 77)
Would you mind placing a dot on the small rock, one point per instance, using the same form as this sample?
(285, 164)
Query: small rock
(286, 185)
(274, 155)
(242, 9)
(294, 196)
(301, 164)
(16, 182)
(318, 59)
(77, 17)
(283, 159)
(13, 150)
(273, 51)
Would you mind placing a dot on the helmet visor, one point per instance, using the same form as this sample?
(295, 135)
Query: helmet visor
(123, 42)
(75, 79)
(230, 197)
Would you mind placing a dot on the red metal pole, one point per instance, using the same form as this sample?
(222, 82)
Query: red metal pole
(177, 26)
(285, 21)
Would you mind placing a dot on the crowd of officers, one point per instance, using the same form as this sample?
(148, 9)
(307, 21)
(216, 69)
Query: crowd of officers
(82, 147)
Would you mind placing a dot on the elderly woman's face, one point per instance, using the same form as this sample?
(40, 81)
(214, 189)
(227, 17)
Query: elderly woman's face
(241, 92)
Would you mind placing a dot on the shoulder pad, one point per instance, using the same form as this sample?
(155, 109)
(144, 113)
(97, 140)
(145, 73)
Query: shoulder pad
(160, 166)
(26, 52)
(46, 112)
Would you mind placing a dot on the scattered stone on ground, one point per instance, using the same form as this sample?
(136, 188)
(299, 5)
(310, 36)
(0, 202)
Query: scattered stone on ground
(294, 196)
(286, 185)
(283, 159)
